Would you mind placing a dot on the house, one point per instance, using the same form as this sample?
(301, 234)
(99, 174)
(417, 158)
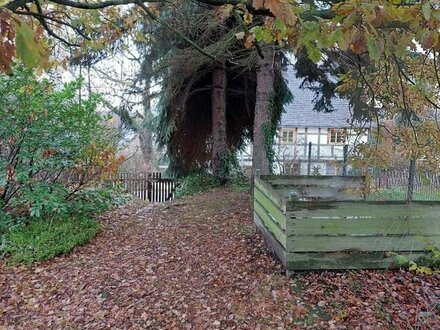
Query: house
(312, 142)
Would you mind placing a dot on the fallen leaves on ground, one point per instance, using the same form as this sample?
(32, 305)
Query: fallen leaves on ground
(199, 263)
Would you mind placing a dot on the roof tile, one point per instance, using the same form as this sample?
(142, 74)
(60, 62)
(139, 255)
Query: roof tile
(300, 112)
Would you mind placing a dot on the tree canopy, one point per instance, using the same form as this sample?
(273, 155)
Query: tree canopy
(385, 52)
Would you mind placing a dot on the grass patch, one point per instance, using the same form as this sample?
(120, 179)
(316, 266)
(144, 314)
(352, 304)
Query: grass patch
(242, 187)
(42, 240)
(401, 195)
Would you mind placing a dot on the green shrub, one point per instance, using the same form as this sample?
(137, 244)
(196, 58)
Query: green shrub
(7, 223)
(428, 263)
(42, 239)
(52, 146)
(96, 200)
(232, 171)
(202, 180)
(196, 182)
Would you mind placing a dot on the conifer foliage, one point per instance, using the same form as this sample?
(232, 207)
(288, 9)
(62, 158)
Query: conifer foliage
(185, 117)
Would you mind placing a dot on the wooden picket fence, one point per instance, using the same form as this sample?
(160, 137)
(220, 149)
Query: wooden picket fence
(148, 186)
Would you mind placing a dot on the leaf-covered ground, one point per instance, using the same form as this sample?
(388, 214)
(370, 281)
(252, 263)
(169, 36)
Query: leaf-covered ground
(198, 263)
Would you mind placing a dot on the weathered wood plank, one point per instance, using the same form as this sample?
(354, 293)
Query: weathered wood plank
(276, 177)
(327, 180)
(324, 193)
(358, 243)
(270, 207)
(365, 226)
(276, 247)
(362, 209)
(335, 234)
(272, 226)
(371, 260)
(265, 188)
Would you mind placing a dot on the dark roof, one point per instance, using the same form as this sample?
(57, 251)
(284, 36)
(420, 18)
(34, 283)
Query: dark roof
(300, 112)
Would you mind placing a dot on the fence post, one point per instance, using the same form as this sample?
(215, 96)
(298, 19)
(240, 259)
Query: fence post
(309, 158)
(411, 175)
(149, 187)
(344, 165)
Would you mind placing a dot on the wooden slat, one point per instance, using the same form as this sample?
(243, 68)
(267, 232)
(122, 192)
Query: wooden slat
(324, 193)
(270, 208)
(325, 180)
(368, 226)
(276, 247)
(153, 191)
(361, 209)
(163, 191)
(266, 189)
(153, 187)
(272, 226)
(147, 186)
(358, 243)
(307, 261)
(340, 234)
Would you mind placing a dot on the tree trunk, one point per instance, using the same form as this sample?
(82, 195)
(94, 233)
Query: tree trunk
(145, 132)
(265, 81)
(218, 105)
(146, 146)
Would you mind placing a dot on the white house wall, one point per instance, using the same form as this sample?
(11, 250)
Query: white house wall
(323, 154)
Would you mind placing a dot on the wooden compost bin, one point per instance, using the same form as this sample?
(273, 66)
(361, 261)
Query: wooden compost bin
(324, 222)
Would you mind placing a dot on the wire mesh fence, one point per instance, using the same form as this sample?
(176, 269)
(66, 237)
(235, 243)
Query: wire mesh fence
(397, 185)
(410, 182)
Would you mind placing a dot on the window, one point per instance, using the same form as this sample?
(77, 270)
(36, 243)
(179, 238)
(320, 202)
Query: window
(337, 136)
(287, 136)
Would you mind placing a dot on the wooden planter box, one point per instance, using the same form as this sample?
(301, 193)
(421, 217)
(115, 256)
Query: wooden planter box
(324, 222)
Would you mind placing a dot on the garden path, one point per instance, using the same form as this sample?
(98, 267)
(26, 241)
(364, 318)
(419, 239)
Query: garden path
(198, 263)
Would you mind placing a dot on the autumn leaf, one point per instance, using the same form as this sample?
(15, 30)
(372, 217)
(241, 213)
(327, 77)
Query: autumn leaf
(379, 16)
(358, 42)
(249, 41)
(140, 259)
(240, 35)
(426, 10)
(31, 52)
(375, 47)
(223, 12)
(247, 18)
(430, 39)
(258, 4)
(6, 45)
(282, 9)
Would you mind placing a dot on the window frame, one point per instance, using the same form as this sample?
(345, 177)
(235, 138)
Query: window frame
(289, 132)
(339, 133)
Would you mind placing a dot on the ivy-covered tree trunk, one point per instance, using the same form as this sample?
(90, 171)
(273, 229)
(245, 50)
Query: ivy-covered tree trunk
(219, 143)
(261, 139)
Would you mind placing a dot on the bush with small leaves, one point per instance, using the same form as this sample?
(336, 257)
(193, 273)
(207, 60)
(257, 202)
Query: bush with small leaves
(42, 240)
